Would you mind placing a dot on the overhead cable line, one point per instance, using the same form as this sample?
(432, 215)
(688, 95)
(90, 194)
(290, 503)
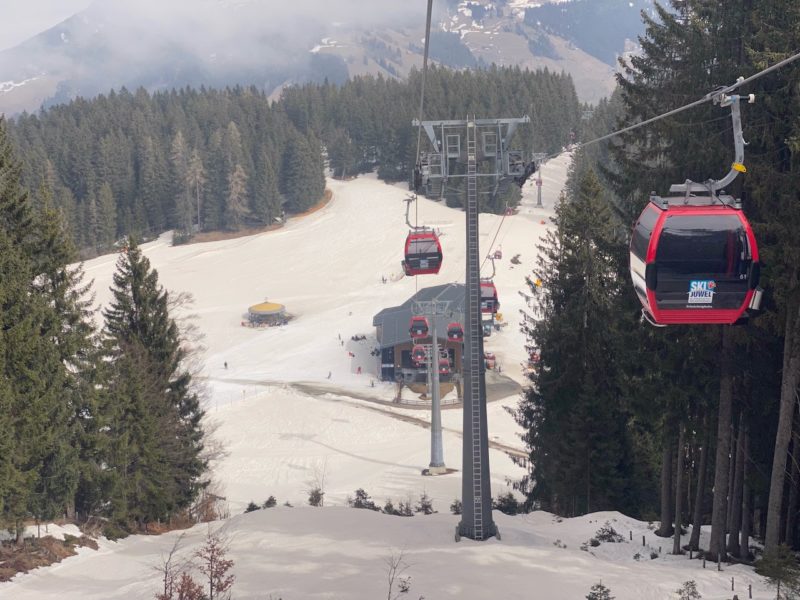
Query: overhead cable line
(422, 101)
(710, 96)
(496, 233)
(424, 73)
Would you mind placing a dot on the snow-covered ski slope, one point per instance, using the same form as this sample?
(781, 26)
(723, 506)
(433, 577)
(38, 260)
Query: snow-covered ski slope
(340, 553)
(285, 424)
(283, 421)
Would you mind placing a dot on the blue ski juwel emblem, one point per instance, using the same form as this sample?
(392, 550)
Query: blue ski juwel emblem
(701, 291)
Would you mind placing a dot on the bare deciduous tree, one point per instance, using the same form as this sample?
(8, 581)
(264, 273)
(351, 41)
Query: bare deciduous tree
(170, 569)
(395, 567)
(215, 565)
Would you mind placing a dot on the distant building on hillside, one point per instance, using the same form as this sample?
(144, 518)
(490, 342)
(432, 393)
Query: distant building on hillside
(394, 338)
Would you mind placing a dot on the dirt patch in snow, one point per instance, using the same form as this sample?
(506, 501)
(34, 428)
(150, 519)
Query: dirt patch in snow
(216, 236)
(33, 553)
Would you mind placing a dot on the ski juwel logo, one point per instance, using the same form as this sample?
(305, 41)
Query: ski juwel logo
(701, 291)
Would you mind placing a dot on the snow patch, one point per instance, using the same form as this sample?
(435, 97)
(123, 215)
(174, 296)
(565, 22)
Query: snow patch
(7, 86)
(325, 43)
(337, 552)
(46, 529)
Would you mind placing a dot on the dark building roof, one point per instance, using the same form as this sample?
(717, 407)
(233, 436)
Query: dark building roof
(394, 321)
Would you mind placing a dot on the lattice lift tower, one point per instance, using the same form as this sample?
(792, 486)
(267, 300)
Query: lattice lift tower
(484, 154)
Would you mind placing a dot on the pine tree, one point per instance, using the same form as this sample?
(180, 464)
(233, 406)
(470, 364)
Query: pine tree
(45, 337)
(196, 179)
(341, 153)
(266, 203)
(304, 180)
(236, 205)
(216, 186)
(779, 566)
(688, 591)
(773, 192)
(599, 592)
(138, 423)
(159, 436)
(152, 187)
(106, 217)
(90, 223)
(572, 415)
(184, 204)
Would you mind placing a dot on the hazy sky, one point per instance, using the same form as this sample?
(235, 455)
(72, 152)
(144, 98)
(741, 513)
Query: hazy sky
(25, 18)
(22, 19)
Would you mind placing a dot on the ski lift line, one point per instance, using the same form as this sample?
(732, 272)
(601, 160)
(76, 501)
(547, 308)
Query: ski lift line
(494, 239)
(422, 104)
(422, 85)
(708, 97)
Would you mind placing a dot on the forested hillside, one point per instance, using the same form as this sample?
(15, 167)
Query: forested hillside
(106, 425)
(92, 424)
(599, 27)
(686, 425)
(222, 159)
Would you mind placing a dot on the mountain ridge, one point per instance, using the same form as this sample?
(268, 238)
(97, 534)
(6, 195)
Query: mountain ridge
(220, 43)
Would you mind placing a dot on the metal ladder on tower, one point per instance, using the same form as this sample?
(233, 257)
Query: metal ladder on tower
(475, 329)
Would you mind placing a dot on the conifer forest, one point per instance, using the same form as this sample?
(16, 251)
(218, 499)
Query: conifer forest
(685, 425)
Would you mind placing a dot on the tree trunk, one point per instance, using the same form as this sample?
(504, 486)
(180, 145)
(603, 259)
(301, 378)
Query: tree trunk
(731, 474)
(691, 459)
(736, 495)
(676, 540)
(747, 512)
(791, 368)
(697, 515)
(718, 514)
(665, 529)
(791, 508)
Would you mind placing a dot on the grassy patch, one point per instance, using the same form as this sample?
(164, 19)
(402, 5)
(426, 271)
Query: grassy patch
(33, 553)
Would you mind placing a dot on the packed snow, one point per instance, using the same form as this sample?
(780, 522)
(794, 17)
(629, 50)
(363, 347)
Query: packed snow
(287, 426)
(323, 553)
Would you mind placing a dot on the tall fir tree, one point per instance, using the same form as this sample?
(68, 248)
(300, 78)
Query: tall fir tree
(236, 205)
(266, 202)
(184, 204)
(160, 460)
(303, 180)
(572, 413)
(196, 180)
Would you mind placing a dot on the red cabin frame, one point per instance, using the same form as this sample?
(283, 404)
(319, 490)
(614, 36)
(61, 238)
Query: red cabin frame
(489, 301)
(418, 327)
(418, 354)
(455, 332)
(422, 253)
(658, 276)
(444, 366)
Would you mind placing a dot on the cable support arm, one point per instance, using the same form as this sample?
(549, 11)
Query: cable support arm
(408, 201)
(713, 186)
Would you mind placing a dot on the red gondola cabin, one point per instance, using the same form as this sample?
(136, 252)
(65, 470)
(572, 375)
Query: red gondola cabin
(423, 253)
(455, 333)
(418, 354)
(694, 263)
(489, 301)
(418, 327)
(444, 366)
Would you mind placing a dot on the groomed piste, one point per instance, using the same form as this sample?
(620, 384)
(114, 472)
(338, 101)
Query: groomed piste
(284, 423)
